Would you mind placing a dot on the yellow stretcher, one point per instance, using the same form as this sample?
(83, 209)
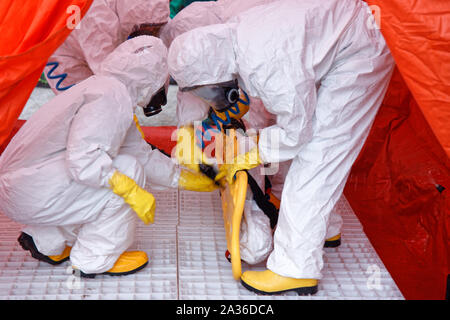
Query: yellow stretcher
(233, 201)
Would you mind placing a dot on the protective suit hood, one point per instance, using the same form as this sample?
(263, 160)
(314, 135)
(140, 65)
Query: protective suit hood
(197, 14)
(141, 65)
(203, 56)
(133, 13)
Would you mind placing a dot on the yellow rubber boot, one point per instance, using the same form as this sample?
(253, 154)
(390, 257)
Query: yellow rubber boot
(269, 283)
(333, 242)
(27, 243)
(64, 256)
(128, 263)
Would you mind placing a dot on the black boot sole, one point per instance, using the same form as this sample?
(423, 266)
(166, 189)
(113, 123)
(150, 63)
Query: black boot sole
(303, 291)
(27, 244)
(332, 244)
(93, 275)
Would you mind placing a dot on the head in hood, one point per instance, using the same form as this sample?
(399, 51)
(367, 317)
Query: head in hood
(135, 13)
(141, 65)
(203, 56)
(195, 15)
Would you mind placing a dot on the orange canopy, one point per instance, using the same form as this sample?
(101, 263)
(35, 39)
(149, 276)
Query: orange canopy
(31, 31)
(418, 34)
(399, 186)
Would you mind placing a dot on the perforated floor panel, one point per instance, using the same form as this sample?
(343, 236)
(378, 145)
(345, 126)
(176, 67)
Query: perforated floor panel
(186, 246)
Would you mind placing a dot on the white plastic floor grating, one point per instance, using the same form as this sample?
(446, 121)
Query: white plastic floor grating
(186, 247)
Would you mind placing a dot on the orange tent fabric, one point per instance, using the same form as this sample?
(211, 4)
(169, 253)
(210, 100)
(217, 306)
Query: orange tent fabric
(31, 31)
(400, 182)
(418, 34)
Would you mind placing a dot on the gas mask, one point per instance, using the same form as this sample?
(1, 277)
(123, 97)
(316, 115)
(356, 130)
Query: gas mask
(158, 101)
(220, 97)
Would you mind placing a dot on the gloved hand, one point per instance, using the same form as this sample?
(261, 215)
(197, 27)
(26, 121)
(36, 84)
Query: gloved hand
(188, 153)
(194, 181)
(244, 161)
(140, 200)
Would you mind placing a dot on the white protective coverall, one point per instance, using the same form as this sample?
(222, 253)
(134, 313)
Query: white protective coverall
(54, 174)
(322, 67)
(191, 108)
(256, 234)
(105, 26)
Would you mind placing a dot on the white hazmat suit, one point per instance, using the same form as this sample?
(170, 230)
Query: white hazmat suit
(256, 234)
(105, 26)
(54, 174)
(322, 68)
(191, 108)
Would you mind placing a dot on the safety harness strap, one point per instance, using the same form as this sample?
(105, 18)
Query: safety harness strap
(262, 200)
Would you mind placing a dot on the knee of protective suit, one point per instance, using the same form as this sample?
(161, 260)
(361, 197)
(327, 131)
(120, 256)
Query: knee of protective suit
(131, 167)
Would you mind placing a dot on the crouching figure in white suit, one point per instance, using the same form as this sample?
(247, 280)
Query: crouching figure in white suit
(76, 171)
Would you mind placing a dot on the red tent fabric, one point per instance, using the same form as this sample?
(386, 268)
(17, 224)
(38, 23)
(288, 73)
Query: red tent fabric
(31, 31)
(396, 186)
(418, 34)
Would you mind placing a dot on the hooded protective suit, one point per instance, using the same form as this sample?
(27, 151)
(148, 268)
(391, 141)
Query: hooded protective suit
(191, 108)
(105, 26)
(55, 173)
(322, 68)
(256, 240)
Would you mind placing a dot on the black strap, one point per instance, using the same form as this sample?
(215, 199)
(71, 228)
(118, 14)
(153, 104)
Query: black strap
(262, 200)
(268, 184)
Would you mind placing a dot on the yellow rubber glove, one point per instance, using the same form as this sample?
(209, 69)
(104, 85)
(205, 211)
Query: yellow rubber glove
(187, 153)
(244, 161)
(140, 200)
(194, 181)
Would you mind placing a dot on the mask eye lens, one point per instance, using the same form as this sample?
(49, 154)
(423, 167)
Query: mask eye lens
(233, 96)
(154, 107)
